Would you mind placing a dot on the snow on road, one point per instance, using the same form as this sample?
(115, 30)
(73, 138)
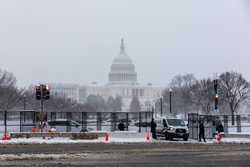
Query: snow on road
(12, 157)
(115, 140)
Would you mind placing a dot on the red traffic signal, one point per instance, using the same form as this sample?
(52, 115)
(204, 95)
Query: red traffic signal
(216, 101)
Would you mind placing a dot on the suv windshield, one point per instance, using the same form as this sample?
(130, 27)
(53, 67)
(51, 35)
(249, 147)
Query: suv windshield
(176, 122)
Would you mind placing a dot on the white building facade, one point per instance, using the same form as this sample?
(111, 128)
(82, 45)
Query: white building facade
(122, 81)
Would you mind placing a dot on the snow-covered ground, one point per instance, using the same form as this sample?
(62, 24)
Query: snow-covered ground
(70, 141)
(115, 140)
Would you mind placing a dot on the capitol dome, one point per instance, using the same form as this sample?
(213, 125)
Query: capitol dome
(122, 70)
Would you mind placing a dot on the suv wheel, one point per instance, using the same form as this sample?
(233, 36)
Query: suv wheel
(185, 138)
(167, 136)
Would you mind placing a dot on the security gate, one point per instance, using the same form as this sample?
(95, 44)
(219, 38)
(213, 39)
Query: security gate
(210, 122)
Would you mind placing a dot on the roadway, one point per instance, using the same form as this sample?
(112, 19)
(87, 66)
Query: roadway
(113, 155)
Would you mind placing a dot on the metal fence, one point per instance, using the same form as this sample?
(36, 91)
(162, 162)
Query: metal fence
(25, 120)
(241, 125)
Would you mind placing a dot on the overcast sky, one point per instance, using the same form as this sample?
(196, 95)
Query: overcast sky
(75, 41)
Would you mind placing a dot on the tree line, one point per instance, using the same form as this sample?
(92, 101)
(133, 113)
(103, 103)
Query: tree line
(14, 98)
(188, 95)
(192, 95)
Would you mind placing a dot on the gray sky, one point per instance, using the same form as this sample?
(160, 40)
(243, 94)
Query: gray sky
(75, 41)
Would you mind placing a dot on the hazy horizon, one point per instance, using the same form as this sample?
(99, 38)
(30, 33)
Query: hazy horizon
(76, 41)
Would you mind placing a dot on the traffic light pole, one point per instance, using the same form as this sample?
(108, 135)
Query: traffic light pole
(42, 94)
(161, 107)
(42, 108)
(216, 97)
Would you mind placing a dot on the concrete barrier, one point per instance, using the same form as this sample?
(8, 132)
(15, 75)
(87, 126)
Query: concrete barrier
(127, 134)
(86, 135)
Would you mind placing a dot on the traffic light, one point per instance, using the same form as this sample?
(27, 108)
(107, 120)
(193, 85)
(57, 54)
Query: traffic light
(216, 102)
(38, 93)
(46, 92)
(42, 92)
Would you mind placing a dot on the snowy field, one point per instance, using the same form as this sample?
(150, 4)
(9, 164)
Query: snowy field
(245, 129)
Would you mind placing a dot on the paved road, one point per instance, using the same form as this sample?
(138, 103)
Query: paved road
(114, 155)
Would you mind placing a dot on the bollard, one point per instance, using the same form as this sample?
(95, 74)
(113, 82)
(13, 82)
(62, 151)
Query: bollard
(106, 138)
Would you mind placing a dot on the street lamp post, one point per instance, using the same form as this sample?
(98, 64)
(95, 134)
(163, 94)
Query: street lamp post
(170, 100)
(161, 103)
(22, 113)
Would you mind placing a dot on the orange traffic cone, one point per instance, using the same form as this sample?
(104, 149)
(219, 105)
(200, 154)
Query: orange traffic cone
(148, 137)
(34, 130)
(218, 138)
(106, 138)
(6, 136)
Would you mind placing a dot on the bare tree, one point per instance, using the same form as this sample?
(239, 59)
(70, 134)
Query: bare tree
(118, 103)
(203, 94)
(181, 86)
(235, 90)
(97, 103)
(110, 104)
(55, 103)
(182, 81)
(135, 104)
(10, 95)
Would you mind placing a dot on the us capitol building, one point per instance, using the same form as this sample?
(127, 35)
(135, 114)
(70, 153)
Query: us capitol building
(122, 81)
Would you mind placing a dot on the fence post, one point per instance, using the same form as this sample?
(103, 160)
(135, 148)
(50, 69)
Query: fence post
(127, 121)
(238, 120)
(34, 117)
(5, 122)
(84, 121)
(225, 124)
(139, 122)
(113, 121)
(68, 118)
(21, 113)
(99, 121)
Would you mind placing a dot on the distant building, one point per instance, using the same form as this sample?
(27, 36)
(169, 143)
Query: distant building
(70, 91)
(122, 81)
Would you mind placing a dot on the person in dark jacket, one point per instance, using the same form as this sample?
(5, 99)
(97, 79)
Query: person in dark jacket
(121, 126)
(153, 128)
(201, 131)
(219, 127)
(165, 123)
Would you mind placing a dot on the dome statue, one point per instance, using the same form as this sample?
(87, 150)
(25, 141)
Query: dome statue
(122, 70)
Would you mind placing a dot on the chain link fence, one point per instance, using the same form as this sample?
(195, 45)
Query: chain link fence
(241, 125)
(25, 120)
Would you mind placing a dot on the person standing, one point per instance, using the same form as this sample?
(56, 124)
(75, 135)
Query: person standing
(165, 123)
(219, 127)
(121, 126)
(201, 132)
(153, 128)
